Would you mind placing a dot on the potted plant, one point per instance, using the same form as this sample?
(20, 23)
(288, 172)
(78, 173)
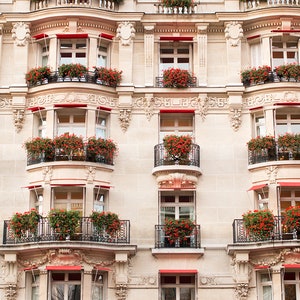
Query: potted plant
(262, 148)
(177, 78)
(258, 75)
(37, 75)
(259, 224)
(40, 148)
(72, 70)
(291, 219)
(178, 231)
(21, 223)
(64, 222)
(288, 146)
(176, 3)
(177, 147)
(101, 150)
(288, 71)
(245, 77)
(106, 222)
(68, 146)
(110, 77)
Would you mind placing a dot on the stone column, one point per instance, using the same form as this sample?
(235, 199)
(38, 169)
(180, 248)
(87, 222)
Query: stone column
(89, 199)
(149, 54)
(47, 193)
(87, 284)
(93, 53)
(269, 119)
(276, 283)
(241, 275)
(91, 127)
(1, 41)
(52, 59)
(126, 34)
(233, 35)
(265, 49)
(121, 275)
(43, 286)
(50, 119)
(200, 62)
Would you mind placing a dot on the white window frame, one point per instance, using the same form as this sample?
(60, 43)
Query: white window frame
(32, 283)
(293, 199)
(259, 122)
(295, 282)
(99, 281)
(73, 50)
(262, 284)
(101, 131)
(288, 120)
(100, 200)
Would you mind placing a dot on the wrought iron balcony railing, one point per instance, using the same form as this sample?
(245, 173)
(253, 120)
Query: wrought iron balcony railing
(241, 235)
(85, 232)
(161, 157)
(59, 155)
(274, 154)
(159, 82)
(163, 241)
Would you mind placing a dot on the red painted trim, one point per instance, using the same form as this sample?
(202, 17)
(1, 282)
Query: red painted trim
(104, 108)
(63, 268)
(292, 266)
(257, 187)
(178, 271)
(261, 267)
(105, 187)
(177, 111)
(289, 183)
(106, 36)
(40, 36)
(30, 187)
(72, 36)
(100, 268)
(253, 37)
(36, 108)
(255, 108)
(67, 184)
(30, 268)
(287, 103)
(70, 105)
(284, 30)
(176, 38)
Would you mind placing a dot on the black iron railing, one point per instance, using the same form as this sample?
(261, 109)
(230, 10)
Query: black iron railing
(159, 82)
(60, 155)
(84, 232)
(274, 154)
(161, 158)
(241, 235)
(163, 241)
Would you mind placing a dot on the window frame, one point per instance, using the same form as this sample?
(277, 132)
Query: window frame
(289, 121)
(262, 284)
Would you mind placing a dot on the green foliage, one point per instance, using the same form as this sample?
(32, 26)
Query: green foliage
(106, 221)
(177, 78)
(178, 230)
(291, 219)
(177, 147)
(259, 143)
(38, 145)
(37, 74)
(72, 70)
(110, 77)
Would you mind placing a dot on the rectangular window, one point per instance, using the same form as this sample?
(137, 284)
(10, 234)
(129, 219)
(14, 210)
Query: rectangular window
(73, 51)
(98, 283)
(101, 125)
(260, 125)
(32, 282)
(289, 197)
(178, 287)
(287, 122)
(291, 285)
(265, 286)
(102, 56)
(99, 200)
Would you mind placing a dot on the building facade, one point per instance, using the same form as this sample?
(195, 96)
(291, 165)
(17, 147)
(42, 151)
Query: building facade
(177, 170)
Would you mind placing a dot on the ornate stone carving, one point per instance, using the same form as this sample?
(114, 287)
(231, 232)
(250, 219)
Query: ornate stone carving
(124, 118)
(18, 116)
(121, 291)
(5, 102)
(235, 118)
(21, 33)
(272, 173)
(65, 256)
(148, 104)
(47, 174)
(90, 174)
(125, 33)
(241, 291)
(233, 33)
(177, 181)
(11, 292)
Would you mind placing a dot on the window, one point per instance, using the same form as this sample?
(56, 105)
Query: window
(99, 200)
(287, 122)
(175, 55)
(284, 50)
(32, 282)
(291, 285)
(179, 124)
(71, 121)
(102, 57)
(265, 286)
(98, 282)
(260, 125)
(101, 125)
(73, 51)
(178, 287)
(255, 50)
(177, 205)
(65, 285)
(69, 198)
(289, 197)
(45, 55)
(262, 196)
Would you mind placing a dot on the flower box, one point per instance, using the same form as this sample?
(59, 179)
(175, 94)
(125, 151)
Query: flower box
(109, 77)
(255, 76)
(38, 75)
(106, 223)
(71, 70)
(177, 78)
(288, 72)
(178, 148)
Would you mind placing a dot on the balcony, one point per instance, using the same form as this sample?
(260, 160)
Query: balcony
(162, 9)
(256, 4)
(160, 84)
(85, 232)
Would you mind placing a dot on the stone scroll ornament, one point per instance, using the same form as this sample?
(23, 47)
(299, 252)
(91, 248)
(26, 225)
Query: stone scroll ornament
(125, 33)
(234, 33)
(21, 34)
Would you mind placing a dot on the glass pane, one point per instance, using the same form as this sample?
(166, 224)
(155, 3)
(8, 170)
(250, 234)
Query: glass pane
(81, 46)
(64, 55)
(80, 55)
(100, 133)
(57, 292)
(187, 279)
(265, 277)
(168, 199)
(168, 294)
(285, 204)
(183, 51)
(166, 51)
(281, 129)
(185, 122)
(186, 212)
(97, 292)
(185, 199)
(35, 293)
(183, 60)
(267, 292)
(167, 122)
(168, 279)
(167, 60)
(167, 212)
(295, 128)
(187, 294)
(290, 292)
(285, 193)
(99, 203)
(289, 276)
(63, 118)
(74, 292)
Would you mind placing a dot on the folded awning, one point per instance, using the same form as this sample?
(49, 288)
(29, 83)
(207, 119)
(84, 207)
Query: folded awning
(176, 38)
(257, 187)
(288, 103)
(168, 271)
(104, 108)
(261, 267)
(30, 187)
(289, 183)
(106, 36)
(70, 105)
(67, 184)
(178, 111)
(291, 266)
(63, 268)
(103, 187)
(36, 108)
(40, 36)
(72, 36)
(103, 269)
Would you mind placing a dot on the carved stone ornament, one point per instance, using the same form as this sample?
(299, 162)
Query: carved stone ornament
(125, 33)
(272, 173)
(11, 292)
(19, 116)
(177, 181)
(121, 291)
(235, 118)
(47, 174)
(233, 33)
(90, 174)
(241, 291)
(21, 34)
(124, 118)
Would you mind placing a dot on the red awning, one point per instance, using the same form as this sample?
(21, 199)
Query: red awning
(176, 38)
(67, 184)
(100, 268)
(253, 37)
(292, 266)
(70, 105)
(30, 268)
(261, 267)
(30, 187)
(285, 30)
(40, 36)
(257, 107)
(289, 183)
(178, 111)
(287, 103)
(104, 108)
(36, 108)
(72, 36)
(178, 271)
(63, 268)
(104, 187)
(106, 36)
(257, 187)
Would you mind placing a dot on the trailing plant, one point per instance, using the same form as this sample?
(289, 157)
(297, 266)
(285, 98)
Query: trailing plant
(259, 143)
(72, 70)
(105, 148)
(289, 142)
(178, 230)
(106, 221)
(256, 75)
(291, 219)
(177, 78)
(110, 77)
(259, 223)
(177, 147)
(68, 144)
(37, 74)
(38, 146)
(288, 71)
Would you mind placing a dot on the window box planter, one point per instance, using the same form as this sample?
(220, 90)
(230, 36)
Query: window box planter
(37, 76)
(109, 77)
(177, 78)
(254, 76)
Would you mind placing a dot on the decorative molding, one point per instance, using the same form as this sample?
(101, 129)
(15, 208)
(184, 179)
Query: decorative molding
(272, 174)
(21, 33)
(142, 280)
(241, 291)
(90, 174)
(125, 32)
(18, 117)
(124, 118)
(47, 174)
(11, 292)
(235, 118)
(5, 103)
(177, 181)
(234, 33)
(121, 291)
